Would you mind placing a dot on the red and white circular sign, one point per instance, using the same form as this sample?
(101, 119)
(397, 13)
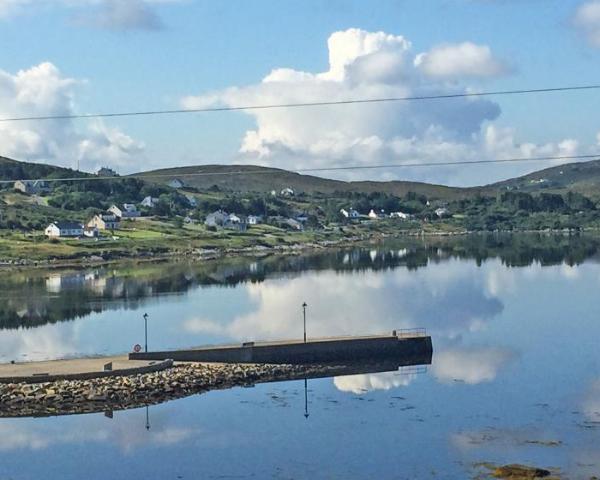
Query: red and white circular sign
(137, 348)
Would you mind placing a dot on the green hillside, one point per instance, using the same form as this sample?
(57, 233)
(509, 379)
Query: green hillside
(251, 178)
(581, 177)
(15, 170)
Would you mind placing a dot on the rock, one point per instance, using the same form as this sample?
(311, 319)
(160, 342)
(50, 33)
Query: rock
(520, 472)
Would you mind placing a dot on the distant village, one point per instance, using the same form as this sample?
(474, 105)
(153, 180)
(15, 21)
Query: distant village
(111, 220)
(142, 208)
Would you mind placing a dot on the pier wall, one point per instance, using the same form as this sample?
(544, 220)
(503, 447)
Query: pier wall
(311, 352)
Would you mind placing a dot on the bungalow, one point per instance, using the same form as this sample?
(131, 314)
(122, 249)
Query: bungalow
(175, 183)
(401, 215)
(64, 229)
(350, 213)
(254, 219)
(128, 210)
(31, 187)
(104, 222)
(287, 192)
(149, 201)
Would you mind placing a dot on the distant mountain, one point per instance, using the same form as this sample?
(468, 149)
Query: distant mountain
(582, 177)
(264, 179)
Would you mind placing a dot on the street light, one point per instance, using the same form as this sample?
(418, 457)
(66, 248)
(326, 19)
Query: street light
(304, 305)
(146, 332)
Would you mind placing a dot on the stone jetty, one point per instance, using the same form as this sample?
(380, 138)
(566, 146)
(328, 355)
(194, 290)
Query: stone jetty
(106, 394)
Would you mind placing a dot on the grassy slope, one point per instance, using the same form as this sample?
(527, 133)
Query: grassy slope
(582, 177)
(262, 179)
(31, 170)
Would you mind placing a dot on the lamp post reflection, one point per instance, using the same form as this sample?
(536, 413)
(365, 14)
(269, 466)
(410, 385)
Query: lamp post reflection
(306, 398)
(147, 418)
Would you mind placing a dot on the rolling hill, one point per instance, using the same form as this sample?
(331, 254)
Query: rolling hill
(264, 179)
(582, 177)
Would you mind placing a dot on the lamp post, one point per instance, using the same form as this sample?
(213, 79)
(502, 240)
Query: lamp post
(304, 305)
(146, 332)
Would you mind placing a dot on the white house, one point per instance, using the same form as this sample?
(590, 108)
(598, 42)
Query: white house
(175, 183)
(149, 201)
(236, 222)
(254, 219)
(233, 218)
(127, 210)
(350, 213)
(401, 215)
(374, 215)
(287, 192)
(441, 212)
(64, 229)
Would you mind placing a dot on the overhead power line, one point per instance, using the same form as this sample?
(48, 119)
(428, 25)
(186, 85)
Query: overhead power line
(274, 170)
(301, 104)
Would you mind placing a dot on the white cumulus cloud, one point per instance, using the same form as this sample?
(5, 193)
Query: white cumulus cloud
(587, 20)
(460, 60)
(368, 65)
(43, 90)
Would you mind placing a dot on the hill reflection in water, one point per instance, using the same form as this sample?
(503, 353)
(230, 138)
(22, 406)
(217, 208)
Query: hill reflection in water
(35, 298)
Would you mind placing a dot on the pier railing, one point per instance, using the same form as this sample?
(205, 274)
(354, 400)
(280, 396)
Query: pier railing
(410, 332)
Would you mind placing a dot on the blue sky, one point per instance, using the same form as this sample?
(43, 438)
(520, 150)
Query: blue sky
(116, 55)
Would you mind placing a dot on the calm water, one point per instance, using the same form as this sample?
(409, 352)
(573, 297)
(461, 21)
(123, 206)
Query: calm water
(515, 325)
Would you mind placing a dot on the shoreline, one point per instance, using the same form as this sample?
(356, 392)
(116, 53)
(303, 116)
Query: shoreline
(199, 254)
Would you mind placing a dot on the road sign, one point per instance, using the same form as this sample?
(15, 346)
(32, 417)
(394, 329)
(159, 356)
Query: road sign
(137, 348)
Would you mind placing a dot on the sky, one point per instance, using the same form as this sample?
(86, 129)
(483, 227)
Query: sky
(91, 56)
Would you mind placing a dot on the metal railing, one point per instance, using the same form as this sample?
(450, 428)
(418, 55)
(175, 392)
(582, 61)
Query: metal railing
(409, 332)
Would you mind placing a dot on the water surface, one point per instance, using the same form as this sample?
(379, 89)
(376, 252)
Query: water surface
(515, 374)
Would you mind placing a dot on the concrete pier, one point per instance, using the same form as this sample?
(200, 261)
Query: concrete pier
(320, 350)
(77, 369)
